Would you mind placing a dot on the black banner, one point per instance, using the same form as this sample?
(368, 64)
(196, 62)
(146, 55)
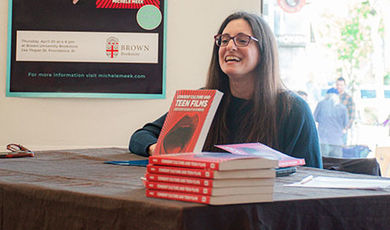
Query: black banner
(87, 48)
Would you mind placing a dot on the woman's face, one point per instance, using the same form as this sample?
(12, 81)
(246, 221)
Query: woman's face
(239, 62)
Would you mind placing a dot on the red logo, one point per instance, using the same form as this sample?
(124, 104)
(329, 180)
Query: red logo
(126, 4)
(112, 47)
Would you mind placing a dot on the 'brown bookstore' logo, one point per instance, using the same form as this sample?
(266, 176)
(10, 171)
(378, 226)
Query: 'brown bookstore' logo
(112, 47)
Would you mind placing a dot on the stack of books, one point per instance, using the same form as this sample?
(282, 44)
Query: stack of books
(211, 178)
(245, 175)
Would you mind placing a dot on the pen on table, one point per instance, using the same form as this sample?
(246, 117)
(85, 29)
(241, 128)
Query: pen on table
(118, 162)
(123, 163)
(306, 179)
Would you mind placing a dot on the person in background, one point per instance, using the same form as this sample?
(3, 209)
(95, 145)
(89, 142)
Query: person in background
(332, 118)
(256, 107)
(346, 100)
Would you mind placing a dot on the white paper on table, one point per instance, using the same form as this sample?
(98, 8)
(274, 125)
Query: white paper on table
(342, 183)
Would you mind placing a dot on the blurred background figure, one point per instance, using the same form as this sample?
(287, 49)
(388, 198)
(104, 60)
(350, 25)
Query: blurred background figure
(332, 118)
(346, 100)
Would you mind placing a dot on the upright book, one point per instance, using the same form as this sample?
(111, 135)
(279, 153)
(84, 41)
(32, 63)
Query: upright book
(188, 121)
(258, 149)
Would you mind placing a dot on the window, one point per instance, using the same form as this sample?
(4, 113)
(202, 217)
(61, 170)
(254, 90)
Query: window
(320, 41)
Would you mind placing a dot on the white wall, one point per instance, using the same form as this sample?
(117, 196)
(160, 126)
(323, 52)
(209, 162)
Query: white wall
(66, 123)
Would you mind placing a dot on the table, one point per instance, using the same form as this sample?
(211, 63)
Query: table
(73, 189)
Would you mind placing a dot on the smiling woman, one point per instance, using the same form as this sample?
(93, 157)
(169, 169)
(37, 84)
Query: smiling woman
(255, 106)
(238, 60)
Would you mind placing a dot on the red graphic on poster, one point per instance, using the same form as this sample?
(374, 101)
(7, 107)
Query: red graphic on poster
(126, 4)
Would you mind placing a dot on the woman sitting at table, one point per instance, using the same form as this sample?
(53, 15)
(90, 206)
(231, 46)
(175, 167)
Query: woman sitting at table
(256, 107)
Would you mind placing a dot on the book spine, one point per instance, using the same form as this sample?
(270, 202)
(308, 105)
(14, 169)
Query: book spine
(215, 99)
(179, 180)
(178, 196)
(179, 188)
(180, 171)
(183, 163)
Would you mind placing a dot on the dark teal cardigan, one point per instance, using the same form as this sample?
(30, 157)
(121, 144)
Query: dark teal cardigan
(298, 135)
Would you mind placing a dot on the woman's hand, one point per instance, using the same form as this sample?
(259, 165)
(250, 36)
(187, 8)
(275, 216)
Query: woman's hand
(151, 149)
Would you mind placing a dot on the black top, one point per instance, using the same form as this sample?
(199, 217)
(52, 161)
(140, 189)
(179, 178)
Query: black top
(297, 134)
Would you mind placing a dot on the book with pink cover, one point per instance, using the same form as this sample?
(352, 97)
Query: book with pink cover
(262, 150)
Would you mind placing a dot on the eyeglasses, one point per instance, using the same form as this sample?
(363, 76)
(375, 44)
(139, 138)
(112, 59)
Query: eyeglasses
(240, 40)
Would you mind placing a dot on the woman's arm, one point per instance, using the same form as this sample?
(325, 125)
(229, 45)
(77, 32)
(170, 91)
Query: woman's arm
(298, 135)
(146, 136)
